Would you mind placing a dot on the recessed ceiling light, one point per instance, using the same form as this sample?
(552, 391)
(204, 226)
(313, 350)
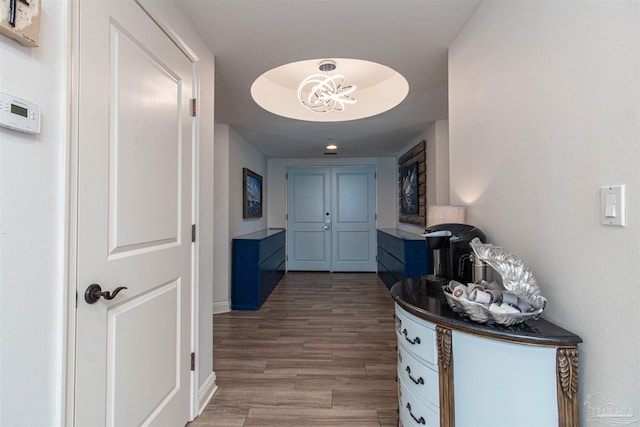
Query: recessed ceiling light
(332, 147)
(380, 88)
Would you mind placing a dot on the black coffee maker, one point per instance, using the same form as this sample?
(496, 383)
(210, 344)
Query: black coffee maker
(451, 250)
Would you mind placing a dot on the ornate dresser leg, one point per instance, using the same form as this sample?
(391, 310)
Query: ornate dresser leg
(445, 377)
(567, 381)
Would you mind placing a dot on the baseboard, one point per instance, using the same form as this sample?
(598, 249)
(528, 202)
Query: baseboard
(221, 307)
(206, 392)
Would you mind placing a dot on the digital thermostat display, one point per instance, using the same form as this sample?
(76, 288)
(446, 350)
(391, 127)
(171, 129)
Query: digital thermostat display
(16, 109)
(18, 114)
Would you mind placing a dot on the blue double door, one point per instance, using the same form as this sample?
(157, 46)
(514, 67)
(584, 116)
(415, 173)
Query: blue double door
(331, 218)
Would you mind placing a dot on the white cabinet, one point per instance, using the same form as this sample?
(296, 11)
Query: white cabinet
(417, 336)
(418, 396)
(417, 377)
(503, 384)
(453, 372)
(414, 412)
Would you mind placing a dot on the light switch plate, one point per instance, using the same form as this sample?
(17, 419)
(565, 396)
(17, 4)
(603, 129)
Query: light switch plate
(612, 205)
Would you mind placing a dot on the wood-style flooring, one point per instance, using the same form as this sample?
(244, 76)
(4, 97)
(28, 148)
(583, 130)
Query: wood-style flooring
(319, 352)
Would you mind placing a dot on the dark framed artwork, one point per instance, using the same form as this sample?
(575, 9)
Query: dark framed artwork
(251, 194)
(412, 186)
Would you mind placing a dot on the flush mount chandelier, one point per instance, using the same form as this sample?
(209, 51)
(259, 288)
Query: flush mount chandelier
(322, 93)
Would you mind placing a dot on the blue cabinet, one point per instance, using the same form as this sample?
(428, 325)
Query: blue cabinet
(258, 264)
(402, 255)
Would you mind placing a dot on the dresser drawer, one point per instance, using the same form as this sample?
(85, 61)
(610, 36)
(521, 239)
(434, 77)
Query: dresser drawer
(414, 413)
(417, 337)
(421, 380)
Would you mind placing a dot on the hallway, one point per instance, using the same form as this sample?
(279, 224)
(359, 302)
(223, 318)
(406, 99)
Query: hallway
(320, 352)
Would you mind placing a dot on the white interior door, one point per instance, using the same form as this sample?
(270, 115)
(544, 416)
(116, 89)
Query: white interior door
(309, 219)
(331, 223)
(134, 218)
(353, 229)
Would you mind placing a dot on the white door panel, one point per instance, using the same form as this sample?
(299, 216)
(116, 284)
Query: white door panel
(309, 246)
(134, 220)
(145, 144)
(352, 196)
(308, 234)
(139, 336)
(354, 219)
(352, 246)
(309, 196)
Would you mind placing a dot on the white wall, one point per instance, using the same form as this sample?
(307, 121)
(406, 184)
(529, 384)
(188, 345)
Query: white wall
(386, 186)
(544, 110)
(438, 163)
(232, 153)
(32, 227)
(221, 239)
(244, 155)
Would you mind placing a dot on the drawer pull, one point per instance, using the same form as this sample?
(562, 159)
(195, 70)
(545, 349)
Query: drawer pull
(419, 381)
(418, 420)
(415, 341)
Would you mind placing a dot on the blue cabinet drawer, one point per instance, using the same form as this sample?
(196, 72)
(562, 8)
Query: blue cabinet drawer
(402, 255)
(258, 264)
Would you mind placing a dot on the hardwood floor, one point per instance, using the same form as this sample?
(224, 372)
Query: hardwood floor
(320, 352)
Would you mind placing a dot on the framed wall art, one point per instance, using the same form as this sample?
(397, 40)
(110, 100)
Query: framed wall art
(412, 186)
(251, 194)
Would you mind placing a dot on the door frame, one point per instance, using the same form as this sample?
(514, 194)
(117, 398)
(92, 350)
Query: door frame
(69, 298)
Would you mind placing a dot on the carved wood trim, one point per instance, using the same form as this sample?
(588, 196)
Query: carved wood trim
(567, 376)
(444, 346)
(445, 376)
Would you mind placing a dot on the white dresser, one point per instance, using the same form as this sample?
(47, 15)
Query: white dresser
(418, 393)
(454, 372)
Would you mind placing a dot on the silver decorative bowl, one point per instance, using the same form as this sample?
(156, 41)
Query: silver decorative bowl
(480, 312)
(517, 279)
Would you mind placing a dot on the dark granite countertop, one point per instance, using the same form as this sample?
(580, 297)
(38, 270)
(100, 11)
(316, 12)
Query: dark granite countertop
(259, 235)
(395, 232)
(426, 300)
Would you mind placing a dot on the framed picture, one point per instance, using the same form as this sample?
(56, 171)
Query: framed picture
(409, 189)
(251, 194)
(412, 185)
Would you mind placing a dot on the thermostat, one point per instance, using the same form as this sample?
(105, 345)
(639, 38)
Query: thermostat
(18, 114)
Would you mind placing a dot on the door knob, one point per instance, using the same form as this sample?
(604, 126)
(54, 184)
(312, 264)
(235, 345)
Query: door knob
(94, 293)
(325, 227)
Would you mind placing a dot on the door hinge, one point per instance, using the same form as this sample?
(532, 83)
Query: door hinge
(375, 175)
(193, 233)
(194, 108)
(193, 361)
(286, 216)
(286, 258)
(286, 176)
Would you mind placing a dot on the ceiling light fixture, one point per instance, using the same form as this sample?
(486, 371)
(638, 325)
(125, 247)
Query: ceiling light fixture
(322, 93)
(331, 143)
